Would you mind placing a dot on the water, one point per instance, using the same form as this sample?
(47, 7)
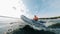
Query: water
(9, 25)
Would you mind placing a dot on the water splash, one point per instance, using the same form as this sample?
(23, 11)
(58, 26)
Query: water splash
(12, 8)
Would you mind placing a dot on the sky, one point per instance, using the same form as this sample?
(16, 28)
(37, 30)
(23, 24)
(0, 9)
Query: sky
(43, 8)
(12, 8)
(29, 8)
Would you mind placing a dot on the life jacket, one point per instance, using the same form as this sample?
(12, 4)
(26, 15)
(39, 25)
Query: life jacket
(35, 18)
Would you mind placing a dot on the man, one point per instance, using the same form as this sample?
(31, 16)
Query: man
(35, 18)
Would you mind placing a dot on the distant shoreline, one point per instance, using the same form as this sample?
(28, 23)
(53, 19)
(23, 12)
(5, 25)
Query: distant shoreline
(39, 18)
(51, 18)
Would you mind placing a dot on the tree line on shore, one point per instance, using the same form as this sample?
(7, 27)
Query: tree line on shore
(51, 18)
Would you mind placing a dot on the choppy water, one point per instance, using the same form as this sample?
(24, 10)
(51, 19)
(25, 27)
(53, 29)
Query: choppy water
(9, 24)
(6, 25)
